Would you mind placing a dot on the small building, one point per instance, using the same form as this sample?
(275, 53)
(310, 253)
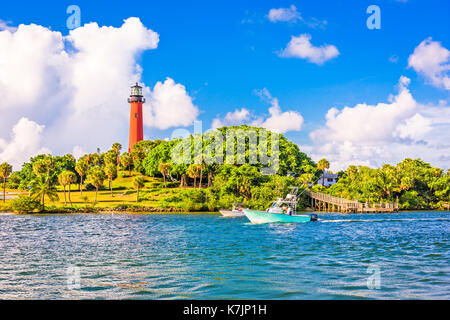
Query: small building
(328, 180)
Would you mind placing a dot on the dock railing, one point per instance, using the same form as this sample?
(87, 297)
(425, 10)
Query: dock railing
(346, 205)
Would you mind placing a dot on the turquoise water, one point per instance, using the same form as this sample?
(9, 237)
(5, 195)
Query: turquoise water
(210, 257)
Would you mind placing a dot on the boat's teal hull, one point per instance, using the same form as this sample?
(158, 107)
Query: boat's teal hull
(267, 217)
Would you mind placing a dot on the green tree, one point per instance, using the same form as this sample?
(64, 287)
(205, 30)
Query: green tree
(139, 152)
(39, 167)
(66, 162)
(138, 184)
(164, 169)
(161, 153)
(126, 161)
(110, 157)
(116, 147)
(14, 180)
(322, 165)
(66, 178)
(42, 187)
(306, 179)
(239, 181)
(193, 172)
(96, 176)
(81, 168)
(111, 173)
(5, 171)
(202, 166)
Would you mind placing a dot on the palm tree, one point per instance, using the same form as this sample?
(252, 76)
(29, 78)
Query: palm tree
(193, 171)
(202, 166)
(49, 164)
(183, 182)
(96, 176)
(110, 157)
(5, 172)
(87, 159)
(164, 169)
(39, 167)
(211, 171)
(126, 160)
(116, 147)
(41, 187)
(72, 179)
(66, 178)
(322, 165)
(81, 169)
(138, 184)
(306, 179)
(111, 173)
(43, 166)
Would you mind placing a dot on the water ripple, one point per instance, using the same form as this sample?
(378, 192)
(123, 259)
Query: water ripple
(209, 257)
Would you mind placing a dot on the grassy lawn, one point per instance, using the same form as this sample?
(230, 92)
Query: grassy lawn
(152, 195)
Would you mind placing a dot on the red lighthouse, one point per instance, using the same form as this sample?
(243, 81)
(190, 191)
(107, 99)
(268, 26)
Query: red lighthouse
(136, 100)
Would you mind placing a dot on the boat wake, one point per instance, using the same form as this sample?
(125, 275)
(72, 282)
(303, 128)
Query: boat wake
(384, 220)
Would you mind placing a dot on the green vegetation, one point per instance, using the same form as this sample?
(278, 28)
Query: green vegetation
(138, 184)
(415, 183)
(164, 170)
(25, 204)
(322, 165)
(41, 187)
(5, 171)
(96, 176)
(148, 180)
(66, 178)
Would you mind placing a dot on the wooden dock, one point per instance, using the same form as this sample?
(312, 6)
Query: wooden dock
(325, 202)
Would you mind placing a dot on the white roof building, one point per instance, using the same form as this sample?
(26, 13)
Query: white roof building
(328, 180)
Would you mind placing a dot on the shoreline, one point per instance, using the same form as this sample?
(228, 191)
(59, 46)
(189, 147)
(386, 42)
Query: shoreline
(174, 212)
(4, 213)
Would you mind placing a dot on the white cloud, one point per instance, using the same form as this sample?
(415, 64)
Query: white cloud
(432, 60)
(278, 121)
(284, 14)
(393, 58)
(4, 25)
(77, 85)
(236, 117)
(384, 133)
(169, 105)
(291, 15)
(368, 123)
(413, 128)
(25, 141)
(301, 47)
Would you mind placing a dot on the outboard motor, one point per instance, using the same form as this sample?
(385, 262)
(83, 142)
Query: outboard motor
(314, 217)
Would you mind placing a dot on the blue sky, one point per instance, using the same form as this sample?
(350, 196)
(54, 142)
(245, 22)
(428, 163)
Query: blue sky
(222, 51)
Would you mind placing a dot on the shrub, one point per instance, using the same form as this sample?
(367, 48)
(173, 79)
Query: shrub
(410, 200)
(173, 184)
(24, 204)
(157, 185)
(173, 198)
(13, 181)
(123, 174)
